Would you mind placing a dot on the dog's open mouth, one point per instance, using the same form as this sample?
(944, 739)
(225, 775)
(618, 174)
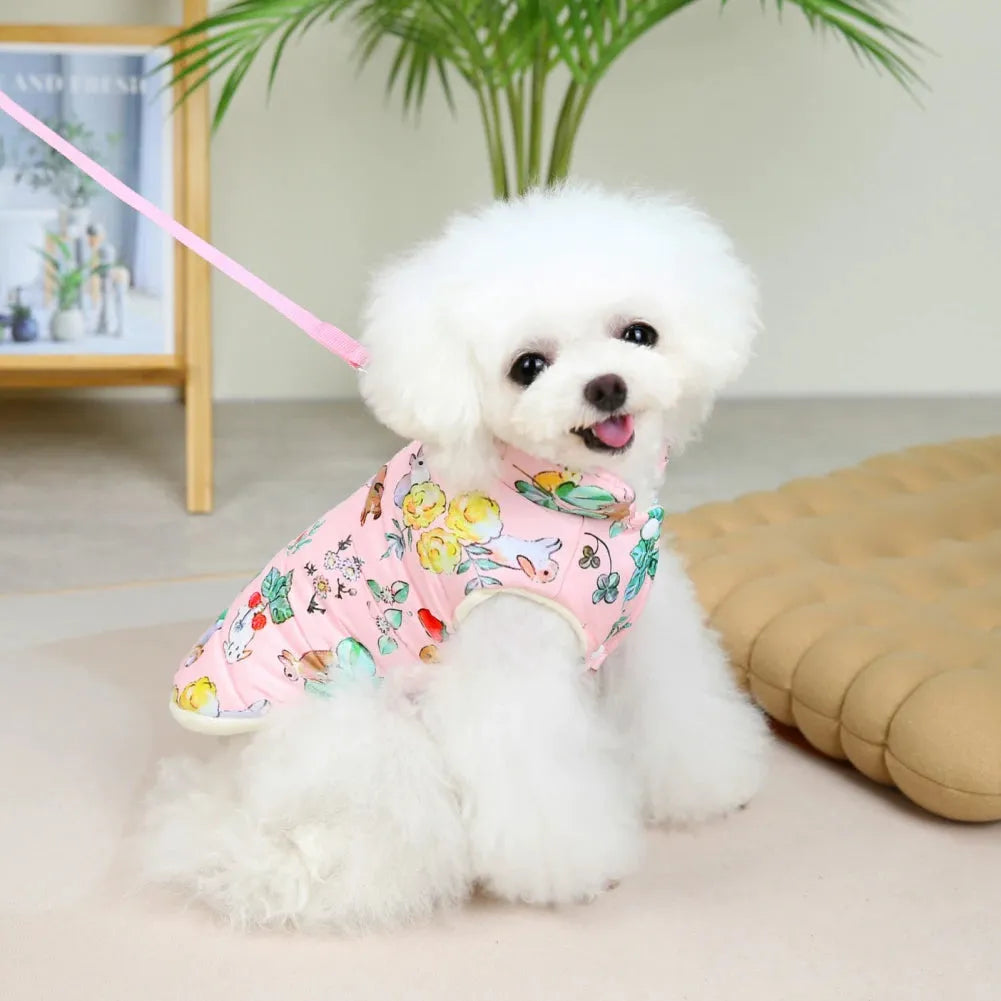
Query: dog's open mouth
(613, 434)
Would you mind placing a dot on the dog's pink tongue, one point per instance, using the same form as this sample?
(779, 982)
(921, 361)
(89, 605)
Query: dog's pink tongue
(615, 432)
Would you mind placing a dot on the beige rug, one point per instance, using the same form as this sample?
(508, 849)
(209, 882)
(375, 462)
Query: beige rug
(825, 888)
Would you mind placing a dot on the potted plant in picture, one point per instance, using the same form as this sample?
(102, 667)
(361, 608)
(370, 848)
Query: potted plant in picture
(23, 325)
(67, 323)
(507, 52)
(43, 169)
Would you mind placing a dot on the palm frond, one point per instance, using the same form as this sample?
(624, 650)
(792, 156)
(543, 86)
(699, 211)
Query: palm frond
(484, 40)
(424, 40)
(503, 50)
(591, 34)
(866, 27)
(234, 38)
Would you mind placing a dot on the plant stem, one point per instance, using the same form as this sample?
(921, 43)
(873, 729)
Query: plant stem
(574, 105)
(561, 132)
(516, 107)
(539, 71)
(504, 190)
(601, 542)
(495, 152)
(578, 114)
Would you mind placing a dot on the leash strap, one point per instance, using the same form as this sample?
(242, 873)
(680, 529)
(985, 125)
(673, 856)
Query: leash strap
(327, 334)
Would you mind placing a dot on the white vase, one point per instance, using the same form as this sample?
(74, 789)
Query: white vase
(67, 325)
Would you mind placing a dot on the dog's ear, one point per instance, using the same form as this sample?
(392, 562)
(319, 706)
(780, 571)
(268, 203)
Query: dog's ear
(713, 312)
(420, 380)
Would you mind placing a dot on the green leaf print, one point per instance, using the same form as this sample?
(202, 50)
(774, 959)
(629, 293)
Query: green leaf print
(536, 494)
(275, 589)
(394, 617)
(646, 556)
(304, 539)
(653, 562)
(463, 567)
(635, 582)
(374, 588)
(270, 584)
(354, 659)
(387, 645)
(482, 582)
(487, 565)
(400, 591)
(395, 546)
(607, 589)
(281, 611)
(275, 586)
(322, 688)
(620, 624)
(588, 497)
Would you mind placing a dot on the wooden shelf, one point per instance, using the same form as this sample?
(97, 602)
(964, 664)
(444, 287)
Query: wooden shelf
(41, 371)
(86, 34)
(189, 366)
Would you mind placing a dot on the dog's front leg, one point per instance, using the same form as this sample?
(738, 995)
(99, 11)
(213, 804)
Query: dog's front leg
(698, 745)
(550, 812)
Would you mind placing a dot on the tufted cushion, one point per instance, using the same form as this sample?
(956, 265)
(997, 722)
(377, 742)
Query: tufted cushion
(864, 608)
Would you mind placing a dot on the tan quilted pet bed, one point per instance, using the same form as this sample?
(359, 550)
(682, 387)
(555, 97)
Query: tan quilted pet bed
(864, 608)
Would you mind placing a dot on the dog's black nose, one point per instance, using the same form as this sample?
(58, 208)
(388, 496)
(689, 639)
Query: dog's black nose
(606, 392)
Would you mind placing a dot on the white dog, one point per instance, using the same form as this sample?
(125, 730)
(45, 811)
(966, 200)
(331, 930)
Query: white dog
(507, 765)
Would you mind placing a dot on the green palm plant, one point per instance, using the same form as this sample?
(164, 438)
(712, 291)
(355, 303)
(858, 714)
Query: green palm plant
(506, 51)
(68, 275)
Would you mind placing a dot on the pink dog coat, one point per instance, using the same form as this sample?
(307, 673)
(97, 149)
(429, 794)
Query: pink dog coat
(387, 576)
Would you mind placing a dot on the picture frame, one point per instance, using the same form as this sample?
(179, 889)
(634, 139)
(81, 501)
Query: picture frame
(91, 293)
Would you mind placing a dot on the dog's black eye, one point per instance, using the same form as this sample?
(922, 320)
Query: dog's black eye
(527, 368)
(640, 333)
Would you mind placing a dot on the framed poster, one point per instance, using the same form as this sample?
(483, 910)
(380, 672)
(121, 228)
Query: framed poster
(92, 293)
(80, 272)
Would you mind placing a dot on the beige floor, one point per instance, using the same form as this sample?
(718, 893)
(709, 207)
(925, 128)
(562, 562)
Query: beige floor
(825, 888)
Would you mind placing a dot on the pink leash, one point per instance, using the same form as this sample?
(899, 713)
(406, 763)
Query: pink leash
(327, 334)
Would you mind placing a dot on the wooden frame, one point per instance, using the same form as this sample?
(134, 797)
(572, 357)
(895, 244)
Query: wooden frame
(189, 367)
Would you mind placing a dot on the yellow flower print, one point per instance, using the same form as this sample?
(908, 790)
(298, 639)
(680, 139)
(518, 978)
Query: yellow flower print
(439, 551)
(423, 504)
(474, 518)
(196, 697)
(551, 479)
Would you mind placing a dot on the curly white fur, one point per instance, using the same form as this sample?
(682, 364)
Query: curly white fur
(507, 766)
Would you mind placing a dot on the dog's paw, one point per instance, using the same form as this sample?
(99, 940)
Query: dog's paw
(718, 771)
(548, 870)
(557, 852)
